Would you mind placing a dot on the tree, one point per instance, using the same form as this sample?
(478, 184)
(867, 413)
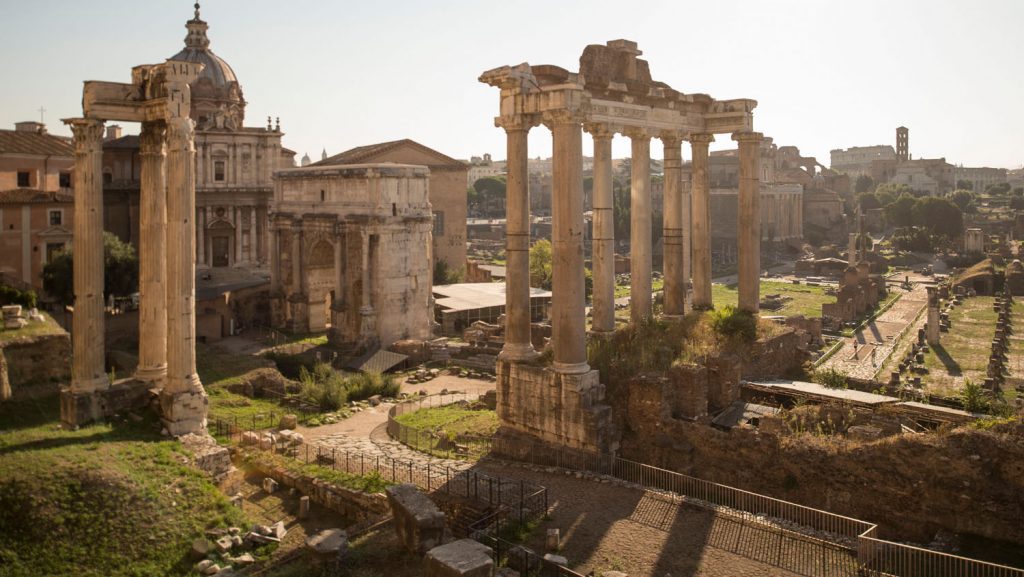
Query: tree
(998, 189)
(864, 183)
(120, 271)
(938, 215)
(900, 212)
(962, 198)
(965, 185)
(540, 264)
(868, 201)
(490, 193)
(444, 274)
(896, 190)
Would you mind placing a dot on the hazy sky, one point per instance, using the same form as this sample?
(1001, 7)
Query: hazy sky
(826, 74)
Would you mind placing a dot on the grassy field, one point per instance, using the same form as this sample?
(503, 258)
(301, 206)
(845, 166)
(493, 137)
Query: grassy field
(803, 299)
(963, 352)
(33, 329)
(431, 428)
(110, 499)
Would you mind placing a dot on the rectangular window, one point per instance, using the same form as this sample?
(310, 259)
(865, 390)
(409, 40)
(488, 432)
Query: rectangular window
(56, 218)
(438, 224)
(23, 178)
(218, 171)
(65, 180)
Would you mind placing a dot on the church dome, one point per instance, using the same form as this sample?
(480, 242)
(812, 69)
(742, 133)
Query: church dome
(217, 101)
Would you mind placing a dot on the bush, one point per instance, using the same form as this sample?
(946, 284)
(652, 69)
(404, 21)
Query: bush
(732, 322)
(365, 385)
(974, 398)
(323, 386)
(13, 296)
(830, 378)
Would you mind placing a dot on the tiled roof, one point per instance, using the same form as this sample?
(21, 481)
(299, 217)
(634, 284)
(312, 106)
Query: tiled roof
(129, 141)
(365, 154)
(31, 195)
(19, 142)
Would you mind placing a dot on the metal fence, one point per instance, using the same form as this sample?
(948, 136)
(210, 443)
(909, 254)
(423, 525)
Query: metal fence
(436, 443)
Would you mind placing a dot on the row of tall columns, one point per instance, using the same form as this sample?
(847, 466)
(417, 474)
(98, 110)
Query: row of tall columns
(700, 231)
(152, 273)
(182, 399)
(518, 345)
(88, 343)
(674, 255)
(748, 233)
(603, 246)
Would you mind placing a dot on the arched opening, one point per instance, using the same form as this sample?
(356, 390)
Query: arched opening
(219, 244)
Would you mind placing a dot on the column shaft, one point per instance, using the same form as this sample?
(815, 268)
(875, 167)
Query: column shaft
(700, 232)
(183, 400)
(200, 235)
(152, 252)
(640, 230)
(518, 344)
(603, 316)
(87, 335)
(298, 283)
(568, 306)
(674, 259)
(749, 226)
(238, 235)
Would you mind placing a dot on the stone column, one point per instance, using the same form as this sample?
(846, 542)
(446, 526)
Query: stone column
(518, 344)
(251, 255)
(368, 325)
(201, 236)
(336, 334)
(152, 253)
(700, 232)
(640, 228)
(87, 336)
(237, 212)
(183, 399)
(674, 257)
(748, 240)
(932, 332)
(298, 298)
(568, 301)
(852, 250)
(603, 311)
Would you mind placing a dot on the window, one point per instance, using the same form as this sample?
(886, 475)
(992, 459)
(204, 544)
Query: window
(23, 178)
(323, 195)
(65, 180)
(438, 224)
(53, 249)
(56, 218)
(218, 171)
(108, 178)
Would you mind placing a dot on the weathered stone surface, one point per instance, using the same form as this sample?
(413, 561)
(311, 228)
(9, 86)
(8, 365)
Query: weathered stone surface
(556, 560)
(303, 507)
(553, 542)
(208, 455)
(81, 407)
(463, 558)
(288, 422)
(269, 485)
(38, 360)
(418, 522)
(328, 542)
(201, 548)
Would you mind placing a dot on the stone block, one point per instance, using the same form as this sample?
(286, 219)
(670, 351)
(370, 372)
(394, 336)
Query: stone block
(463, 558)
(552, 559)
(250, 438)
(523, 560)
(269, 485)
(288, 422)
(554, 541)
(328, 543)
(418, 522)
(614, 574)
(304, 507)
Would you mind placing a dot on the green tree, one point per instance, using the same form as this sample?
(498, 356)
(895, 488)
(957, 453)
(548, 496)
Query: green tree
(964, 185)
(864, 183)
(962, 198)
(901, 212)
(938, 215)
(999, 189)
(540, 264)
(896, 190)
(120, 271)
(491, 194)
(444, 274)
(868, 201)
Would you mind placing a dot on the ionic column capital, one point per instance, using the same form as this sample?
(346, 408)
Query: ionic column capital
(701, 138)
(748, 137)
(88, 134)
(599, 130)
(517, 122)
(152, 138)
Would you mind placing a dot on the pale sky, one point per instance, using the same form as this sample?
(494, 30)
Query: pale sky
(339, 74)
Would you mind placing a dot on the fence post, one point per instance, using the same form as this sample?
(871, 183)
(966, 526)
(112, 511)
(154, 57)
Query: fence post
(334, 461)
(428, 476)
(410, 472)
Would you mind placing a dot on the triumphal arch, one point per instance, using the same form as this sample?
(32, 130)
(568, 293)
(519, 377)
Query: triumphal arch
(613, 93)
(159, 98)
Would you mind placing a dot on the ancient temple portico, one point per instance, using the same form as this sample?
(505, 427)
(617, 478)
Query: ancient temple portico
(159, 98)
(613, 93)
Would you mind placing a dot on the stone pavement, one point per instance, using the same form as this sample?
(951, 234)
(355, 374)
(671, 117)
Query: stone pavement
(862, 355)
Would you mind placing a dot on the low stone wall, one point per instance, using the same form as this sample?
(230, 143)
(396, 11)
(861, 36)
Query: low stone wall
(556, 408)
(37, 360)
(353, 504)
(127, 395)
(777, 356)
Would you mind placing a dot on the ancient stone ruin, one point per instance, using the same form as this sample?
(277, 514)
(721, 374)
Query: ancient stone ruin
(613, 92)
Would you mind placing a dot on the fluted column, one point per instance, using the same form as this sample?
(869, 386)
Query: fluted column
(640, 228)
(748, 242)
(201, 236)
(674, 257)
(237, 212)
(152, 253)
(603, 311)
(568, 301)
(87, 335)
(183, 399)
(700, 233)
(518, 344)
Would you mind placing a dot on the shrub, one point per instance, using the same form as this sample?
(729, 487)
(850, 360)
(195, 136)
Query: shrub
(973, 396)
(12, 296)
(323, 386)
(830, 378)
(731, 322)
(365, 385)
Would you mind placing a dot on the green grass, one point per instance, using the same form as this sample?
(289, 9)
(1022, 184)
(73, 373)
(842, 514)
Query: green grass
(219, 367)
(111, 499)
(453, 419)
(369, 483)
(804, 300)
(963, 352)
(33, 329)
